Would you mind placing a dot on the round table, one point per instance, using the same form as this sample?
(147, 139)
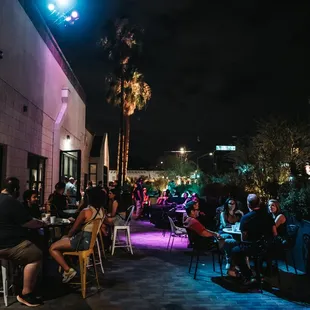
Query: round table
(70, 211)
(236, 234)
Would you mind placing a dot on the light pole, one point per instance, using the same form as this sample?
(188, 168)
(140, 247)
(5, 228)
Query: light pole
(204, 155)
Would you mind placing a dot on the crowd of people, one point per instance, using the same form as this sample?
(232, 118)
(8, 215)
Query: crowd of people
(262, 226)
(21, 226)
(20, 223)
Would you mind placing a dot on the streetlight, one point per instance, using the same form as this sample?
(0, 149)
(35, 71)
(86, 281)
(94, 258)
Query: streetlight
(161, 162)
(182, 150)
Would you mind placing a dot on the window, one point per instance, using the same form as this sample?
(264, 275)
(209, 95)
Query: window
(70, 166)
(93, 173)
(36, 181)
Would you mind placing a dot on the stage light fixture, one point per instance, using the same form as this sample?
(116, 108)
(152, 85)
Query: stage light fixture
(51, 7)
(74, 14)
(68, 19)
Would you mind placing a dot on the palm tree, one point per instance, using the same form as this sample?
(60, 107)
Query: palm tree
(136, 95)
(120, 44)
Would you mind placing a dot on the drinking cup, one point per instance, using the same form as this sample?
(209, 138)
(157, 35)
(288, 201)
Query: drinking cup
(53, 219)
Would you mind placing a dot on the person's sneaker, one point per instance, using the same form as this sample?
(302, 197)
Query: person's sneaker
(68, 276)
(29, 300)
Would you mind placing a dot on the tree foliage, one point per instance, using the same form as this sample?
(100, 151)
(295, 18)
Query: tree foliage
(267, 159)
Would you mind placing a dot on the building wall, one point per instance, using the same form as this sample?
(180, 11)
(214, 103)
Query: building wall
(31, 77)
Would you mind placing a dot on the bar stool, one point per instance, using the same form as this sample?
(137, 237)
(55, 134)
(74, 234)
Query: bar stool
(125, 228)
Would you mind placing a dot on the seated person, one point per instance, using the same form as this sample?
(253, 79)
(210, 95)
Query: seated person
(79, 236)
(254, 226)
(230, 214)
(194, 225)
(15, 219)
(58, 202)
(31, 200)
(186, 198)
(117, 209)
(278, 216)
(146, 203)
(163, 199)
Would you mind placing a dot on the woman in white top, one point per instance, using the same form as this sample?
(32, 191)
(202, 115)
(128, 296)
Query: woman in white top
(78, 238)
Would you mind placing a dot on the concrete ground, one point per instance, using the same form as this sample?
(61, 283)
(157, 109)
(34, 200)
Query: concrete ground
(155, 279)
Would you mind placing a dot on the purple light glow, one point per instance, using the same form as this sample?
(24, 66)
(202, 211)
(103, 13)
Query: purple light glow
(153, 239)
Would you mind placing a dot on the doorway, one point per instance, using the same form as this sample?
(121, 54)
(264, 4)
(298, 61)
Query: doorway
(36, 180)
(70, 166)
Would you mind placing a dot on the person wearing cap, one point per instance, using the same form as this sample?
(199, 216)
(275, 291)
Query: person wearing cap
(255, 226)
(70, 190)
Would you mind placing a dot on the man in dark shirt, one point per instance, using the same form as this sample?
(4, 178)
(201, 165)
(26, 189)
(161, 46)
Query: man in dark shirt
(15, 219)
(256, 225)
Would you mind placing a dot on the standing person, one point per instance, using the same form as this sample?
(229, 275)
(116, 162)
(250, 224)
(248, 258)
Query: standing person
(15, 220)
(138, 197)
(71, 191)
(146, 203)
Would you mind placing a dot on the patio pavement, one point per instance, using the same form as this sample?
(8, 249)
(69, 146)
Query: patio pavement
(155, 279)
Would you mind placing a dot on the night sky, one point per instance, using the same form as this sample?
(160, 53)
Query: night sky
(214, 68)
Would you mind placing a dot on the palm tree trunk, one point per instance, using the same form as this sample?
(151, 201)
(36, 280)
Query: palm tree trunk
(118, 152)
(126, 146)
(121, 131)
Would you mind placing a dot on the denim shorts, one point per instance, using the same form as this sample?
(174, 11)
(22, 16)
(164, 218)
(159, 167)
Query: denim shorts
(81, 241)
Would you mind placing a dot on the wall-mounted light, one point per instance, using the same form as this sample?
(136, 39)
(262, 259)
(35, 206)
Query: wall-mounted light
(68, 137)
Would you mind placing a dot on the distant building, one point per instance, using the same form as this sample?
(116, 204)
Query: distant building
(135, 174)
(99, 160)
(42, 121)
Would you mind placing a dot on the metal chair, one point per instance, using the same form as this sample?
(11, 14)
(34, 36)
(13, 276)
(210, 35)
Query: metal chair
(292, 231)
(84, 256)
(126, 228)
(175, 232)
(306, 252)
(200, 247)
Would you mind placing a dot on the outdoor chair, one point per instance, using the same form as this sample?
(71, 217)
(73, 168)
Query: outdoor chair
(200, 247)
(100, 250)
(126, 228)
(292, 231)
(175, 231)
(306, 252)
(84, 257)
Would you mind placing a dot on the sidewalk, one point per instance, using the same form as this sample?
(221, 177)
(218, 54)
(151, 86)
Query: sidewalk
(155, 279)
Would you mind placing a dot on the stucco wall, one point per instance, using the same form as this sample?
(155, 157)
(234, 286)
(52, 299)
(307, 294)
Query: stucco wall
(30, 76)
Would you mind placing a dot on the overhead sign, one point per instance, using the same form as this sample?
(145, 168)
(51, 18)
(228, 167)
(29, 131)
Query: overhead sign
(225, 148)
